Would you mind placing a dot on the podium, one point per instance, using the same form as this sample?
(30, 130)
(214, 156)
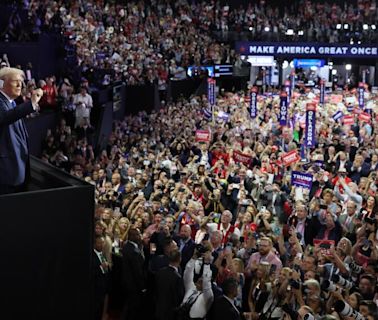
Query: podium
(46, 246)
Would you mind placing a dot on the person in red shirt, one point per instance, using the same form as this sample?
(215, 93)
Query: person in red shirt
(50, 92)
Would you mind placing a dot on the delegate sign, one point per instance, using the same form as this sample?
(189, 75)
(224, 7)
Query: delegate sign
(306, 49)
(300, 179)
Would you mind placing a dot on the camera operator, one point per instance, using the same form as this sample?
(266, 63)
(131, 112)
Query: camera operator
(365, 249)
(294, 301)
(198, 285)
(336, 260)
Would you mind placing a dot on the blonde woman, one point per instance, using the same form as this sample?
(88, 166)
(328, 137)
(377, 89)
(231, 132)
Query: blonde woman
(120, 231)
(260, 290)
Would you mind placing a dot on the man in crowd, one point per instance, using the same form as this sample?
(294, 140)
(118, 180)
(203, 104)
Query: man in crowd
(169, 288)
(134, 275)
(14, 157)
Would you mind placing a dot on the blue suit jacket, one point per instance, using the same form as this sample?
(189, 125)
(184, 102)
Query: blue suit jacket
(14, 154)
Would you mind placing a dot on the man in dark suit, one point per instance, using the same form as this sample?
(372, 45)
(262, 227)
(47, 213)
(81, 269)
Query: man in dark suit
(14, 153)
(273, 199)
(134, 275)
(100, 276)
(186, 245)
(224, 307)
(304, 224)
(169, 288)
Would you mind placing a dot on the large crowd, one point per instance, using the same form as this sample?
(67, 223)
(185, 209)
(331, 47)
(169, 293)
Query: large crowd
(230, 203)
(142, 44)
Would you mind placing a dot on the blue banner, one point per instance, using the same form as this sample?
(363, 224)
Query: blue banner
(322, 92)
(319, 163)
(300, 179)
(283, 109)
(310, 125)
(253, 102)
(224, 116)
(211, 91)
(338, 115)
(306, 49)
(288, 90)
(308, 63)
(361, 95)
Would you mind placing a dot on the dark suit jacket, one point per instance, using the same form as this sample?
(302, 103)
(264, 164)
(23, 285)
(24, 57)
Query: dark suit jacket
(223, 310)
(187, 252)
(335, 234)
(316, 185)
(169, 287)
(14, 154)
(356, 175)
(267, 201)
(312, 226)
(101, 280)
(134, 275)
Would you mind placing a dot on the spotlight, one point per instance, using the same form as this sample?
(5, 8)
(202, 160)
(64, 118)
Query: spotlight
(285, 64)
(291, 64)
(300, 33)
(266, 29)
(330, 63)
(338, 26)
(346, 26)
(351, 41)
(373, 27)
(250, 28)
(348, 67)
(334, 72)
(289, 32)
(359, 42)
(365, 27)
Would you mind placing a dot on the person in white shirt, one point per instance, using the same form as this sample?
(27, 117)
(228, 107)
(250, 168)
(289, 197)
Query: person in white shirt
(200, 290)
(84, 103)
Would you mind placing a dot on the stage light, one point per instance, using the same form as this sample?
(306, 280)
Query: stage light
(289, 32)
(373, 27)
(346, 26)
(266, 29)
(338, 26)
(300, 33)
(285, 64)
(334, 72)
(291, 64)
(359, 42)
(250, 28)
(351, 41)
(365, 27)
(348, 67)
(313, 68)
